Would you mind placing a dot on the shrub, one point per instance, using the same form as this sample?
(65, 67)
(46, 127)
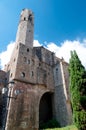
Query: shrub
(50, 124)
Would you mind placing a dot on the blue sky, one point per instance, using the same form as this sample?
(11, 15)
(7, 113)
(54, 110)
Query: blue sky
(56, 21)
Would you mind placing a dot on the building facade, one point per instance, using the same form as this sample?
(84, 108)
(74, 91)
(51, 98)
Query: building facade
(42, 79)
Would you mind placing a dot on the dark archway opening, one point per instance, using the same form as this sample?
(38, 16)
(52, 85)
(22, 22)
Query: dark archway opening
(45, 109)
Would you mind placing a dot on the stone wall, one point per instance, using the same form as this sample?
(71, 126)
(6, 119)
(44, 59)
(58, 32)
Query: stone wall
(2, 84)
(61, 93)
(24, 111)
(30, 69)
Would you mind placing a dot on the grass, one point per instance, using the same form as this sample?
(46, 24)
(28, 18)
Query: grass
(72, 127)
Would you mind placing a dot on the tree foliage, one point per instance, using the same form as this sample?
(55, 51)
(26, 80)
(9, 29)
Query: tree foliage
(78, 90)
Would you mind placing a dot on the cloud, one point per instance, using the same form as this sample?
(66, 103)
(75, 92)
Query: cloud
(5, 55)
(36, 43)
(63, 50)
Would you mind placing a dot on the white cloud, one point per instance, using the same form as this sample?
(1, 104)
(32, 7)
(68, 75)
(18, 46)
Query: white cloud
(5, 55)
(61, 51)
(67, 46)
(36, 43)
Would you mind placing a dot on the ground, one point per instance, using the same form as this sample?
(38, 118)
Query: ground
(72, 127)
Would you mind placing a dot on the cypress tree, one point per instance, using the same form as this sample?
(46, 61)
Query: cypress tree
(78, 90)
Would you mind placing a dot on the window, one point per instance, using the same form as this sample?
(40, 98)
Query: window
(14, 59)
(57, 73)
(56, 69)
(25, 59)
(32, 74)
(39, 64)
(27, 49)
(24, 18)
(22, 74)
(28, 61)
(48, 73)
(30, 18)
(11, 75)
(32, 62)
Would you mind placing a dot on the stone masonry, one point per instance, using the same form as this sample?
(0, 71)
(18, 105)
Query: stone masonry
(42, 79)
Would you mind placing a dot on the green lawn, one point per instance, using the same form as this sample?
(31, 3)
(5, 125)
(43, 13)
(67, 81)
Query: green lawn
(72, 127)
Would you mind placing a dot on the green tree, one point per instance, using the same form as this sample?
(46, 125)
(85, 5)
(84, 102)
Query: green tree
(78, 90)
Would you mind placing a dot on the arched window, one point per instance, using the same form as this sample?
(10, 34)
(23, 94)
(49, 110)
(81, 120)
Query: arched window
(24, 18)
(27, 49)
(22, 74)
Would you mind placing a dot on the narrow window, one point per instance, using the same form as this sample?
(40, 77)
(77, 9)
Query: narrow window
(32, 62)
(11, 75)
(56, 69)
(48, 73)
(14, 59)
(32, 73)
(25, 59)
(24, 18)
(39, 64)
(57, 73)
(27, 49)
(22, 74)
(28, 61)
(30, 18)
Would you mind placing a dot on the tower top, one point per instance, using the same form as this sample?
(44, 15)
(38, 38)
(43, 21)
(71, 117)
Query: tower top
(26, 10)
(26, 15)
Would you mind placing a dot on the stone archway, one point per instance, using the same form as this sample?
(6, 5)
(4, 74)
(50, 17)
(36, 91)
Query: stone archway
(45, 108)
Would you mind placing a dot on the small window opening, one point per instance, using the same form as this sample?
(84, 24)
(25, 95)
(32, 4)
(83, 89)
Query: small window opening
(48, 73)
(32, 62)
(11, 75)
(30, 17)
(28, 61)
(5, 78)
(25, 59)
(56, 69)
(14, 59)
(39, 64)
(32, 73)
(23, 74)
(20, 43)
(24, 18)
(27, 49)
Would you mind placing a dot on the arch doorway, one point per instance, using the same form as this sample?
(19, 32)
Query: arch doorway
(45, 108)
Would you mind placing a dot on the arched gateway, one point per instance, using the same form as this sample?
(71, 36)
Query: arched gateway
(45, 108)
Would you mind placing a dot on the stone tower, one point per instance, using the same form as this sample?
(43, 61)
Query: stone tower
(25, 28)
(42, 79)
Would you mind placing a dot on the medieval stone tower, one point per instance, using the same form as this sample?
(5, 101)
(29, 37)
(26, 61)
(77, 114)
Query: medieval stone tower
(42, 80)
